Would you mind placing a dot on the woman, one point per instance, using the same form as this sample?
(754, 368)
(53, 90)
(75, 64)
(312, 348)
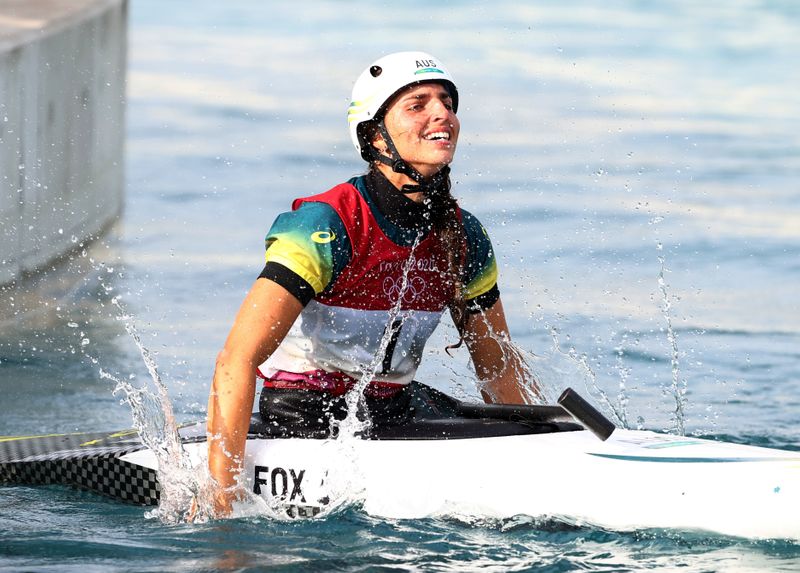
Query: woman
(356, 278)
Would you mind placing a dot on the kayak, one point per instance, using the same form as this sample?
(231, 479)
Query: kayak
(471, 460)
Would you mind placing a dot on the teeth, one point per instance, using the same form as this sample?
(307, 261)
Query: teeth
(438, 135)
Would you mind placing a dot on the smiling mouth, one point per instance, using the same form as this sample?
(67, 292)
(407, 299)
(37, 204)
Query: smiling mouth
(438, 136)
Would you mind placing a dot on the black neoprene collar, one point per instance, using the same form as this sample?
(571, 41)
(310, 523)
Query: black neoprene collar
(394, 204)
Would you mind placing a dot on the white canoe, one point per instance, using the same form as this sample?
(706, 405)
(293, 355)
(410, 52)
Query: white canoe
(633, 480)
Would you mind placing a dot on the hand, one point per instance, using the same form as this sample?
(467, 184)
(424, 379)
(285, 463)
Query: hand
(223, 501)
(221, 505)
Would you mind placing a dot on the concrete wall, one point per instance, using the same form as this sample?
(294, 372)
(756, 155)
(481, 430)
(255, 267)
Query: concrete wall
(62, 115)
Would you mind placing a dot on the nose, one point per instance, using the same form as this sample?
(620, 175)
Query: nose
(440, 109)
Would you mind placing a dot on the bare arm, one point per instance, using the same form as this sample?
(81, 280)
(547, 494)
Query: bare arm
(497, 361)
(263, 320)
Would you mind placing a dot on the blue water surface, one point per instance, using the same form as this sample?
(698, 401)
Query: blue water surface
(603, 146)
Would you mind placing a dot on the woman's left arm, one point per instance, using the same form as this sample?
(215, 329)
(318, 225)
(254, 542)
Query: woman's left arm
(498, 362)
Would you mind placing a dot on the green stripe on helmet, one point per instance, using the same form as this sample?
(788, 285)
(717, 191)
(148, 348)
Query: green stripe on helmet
(428, 71)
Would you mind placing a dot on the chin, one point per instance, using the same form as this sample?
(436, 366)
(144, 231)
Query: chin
(437, 164)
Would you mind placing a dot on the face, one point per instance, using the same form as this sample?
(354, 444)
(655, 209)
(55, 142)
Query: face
(423, 126)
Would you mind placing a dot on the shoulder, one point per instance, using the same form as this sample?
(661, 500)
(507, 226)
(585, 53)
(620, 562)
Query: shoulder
(480, 263)
(313, 211)
(307, 219)
(311, 241)
(480, 271)
(331, 207)
(475, 231)
(342, 195)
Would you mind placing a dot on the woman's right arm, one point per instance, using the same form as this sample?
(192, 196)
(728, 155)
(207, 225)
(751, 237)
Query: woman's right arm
(266, 315)
(498, 362)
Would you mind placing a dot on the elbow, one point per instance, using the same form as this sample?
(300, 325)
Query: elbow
(222, 363)
(230, 362)
(223, 359)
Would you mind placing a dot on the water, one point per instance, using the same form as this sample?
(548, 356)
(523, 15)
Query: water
(599, 144)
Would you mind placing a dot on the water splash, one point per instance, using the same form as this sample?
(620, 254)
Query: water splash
(352, 426)
(185, 491)
(678, 386)
(559, 365)
(622, 391)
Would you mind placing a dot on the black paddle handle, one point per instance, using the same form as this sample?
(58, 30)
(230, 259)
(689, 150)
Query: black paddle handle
(586, 414)
(513, 412)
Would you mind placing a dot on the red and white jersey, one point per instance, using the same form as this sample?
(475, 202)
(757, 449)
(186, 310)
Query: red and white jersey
(342, 329)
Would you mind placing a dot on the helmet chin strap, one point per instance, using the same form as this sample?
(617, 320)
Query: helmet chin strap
(427, 185)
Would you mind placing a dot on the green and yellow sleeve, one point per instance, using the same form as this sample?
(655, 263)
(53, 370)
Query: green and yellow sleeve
(480, 273)
(311, 242)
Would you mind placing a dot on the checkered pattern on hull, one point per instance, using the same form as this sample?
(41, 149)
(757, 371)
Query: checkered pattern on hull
(87, 461)
(107, 475)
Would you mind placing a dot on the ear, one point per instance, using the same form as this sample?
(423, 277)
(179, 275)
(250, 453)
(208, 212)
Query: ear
(379, 143)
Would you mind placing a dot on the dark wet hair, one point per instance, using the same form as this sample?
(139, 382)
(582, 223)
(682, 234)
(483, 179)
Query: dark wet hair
(447, 223)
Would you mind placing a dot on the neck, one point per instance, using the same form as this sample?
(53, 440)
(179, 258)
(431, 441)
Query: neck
(398, 180)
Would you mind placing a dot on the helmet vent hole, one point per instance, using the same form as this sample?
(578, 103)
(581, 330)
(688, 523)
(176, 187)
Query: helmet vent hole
(376, 71)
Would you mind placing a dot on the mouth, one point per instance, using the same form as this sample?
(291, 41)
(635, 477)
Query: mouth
(437, 136)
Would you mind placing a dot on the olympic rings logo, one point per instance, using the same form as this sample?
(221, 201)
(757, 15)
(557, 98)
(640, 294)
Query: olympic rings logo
(394, 288)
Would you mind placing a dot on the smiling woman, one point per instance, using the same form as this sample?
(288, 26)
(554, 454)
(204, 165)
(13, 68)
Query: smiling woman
(357, 278)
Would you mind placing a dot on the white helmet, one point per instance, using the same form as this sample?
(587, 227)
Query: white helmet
(378, 83)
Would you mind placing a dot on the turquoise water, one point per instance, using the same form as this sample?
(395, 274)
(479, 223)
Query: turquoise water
(603, 147)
